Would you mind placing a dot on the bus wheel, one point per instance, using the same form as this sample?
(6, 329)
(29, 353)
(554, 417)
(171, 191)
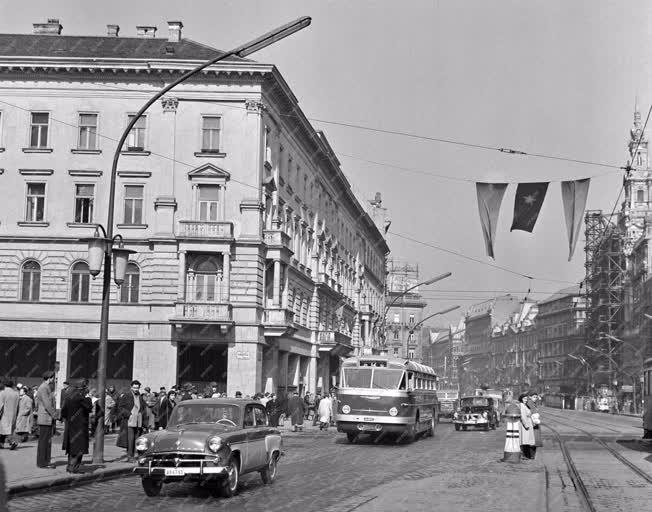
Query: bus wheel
(433, 421)
(351, 436)
(457, 426)
(464, 427)
(410, 433)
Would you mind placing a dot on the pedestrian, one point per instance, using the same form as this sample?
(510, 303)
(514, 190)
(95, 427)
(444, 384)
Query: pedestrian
(296, 411)
(165, 409)
(24, 419)
(315, 418)
(95, 413)
(238, 394)
(272, 410)
(186, 393)
(308, 403)
(9, 405)
(46, 417)
(264, 399)
(131, 410)
(525, 430)
(76, 413)
(325, 412)
(334, 402)
(64, 391)
(150, 402)
(109, 412)
(533, 399)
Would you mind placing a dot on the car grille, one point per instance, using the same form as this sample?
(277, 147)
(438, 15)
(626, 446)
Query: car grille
(173, 460)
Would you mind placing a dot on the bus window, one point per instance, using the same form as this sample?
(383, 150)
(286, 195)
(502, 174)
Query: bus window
(403, 385)
(385, 378)
(411, 383)
(357, 377)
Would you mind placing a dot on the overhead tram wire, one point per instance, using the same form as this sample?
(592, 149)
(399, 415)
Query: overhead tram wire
(477, 260)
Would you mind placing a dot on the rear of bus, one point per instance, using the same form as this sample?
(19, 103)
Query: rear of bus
(373, 398)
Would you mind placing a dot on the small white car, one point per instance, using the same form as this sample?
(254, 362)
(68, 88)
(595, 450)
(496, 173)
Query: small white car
(603, 405)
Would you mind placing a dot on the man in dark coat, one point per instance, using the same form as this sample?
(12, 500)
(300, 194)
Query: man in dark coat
(75, 411)
(296, 410)
(132, 412)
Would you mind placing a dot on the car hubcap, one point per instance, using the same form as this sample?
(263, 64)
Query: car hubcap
(233, 477)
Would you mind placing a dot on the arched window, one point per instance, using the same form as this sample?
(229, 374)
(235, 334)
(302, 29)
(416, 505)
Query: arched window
(31, 281)
(131, 286)
(205, 279)
(640, 196)
(81, 282)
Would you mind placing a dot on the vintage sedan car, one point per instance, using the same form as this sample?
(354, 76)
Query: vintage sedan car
(212, 441)
(476, 411)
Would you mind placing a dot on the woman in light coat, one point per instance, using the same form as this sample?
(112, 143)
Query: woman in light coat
(24, 419)
(525, 429)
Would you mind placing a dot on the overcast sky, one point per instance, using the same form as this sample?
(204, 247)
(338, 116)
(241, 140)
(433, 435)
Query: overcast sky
(553, 77)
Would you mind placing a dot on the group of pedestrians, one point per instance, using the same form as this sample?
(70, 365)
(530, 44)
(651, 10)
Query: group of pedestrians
(529, 424)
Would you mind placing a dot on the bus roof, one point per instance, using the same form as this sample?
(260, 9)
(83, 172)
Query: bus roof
(390, 362)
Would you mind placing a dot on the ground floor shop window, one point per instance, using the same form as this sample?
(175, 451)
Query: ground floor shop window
(25, 359)
(83, 356)
(203, 364)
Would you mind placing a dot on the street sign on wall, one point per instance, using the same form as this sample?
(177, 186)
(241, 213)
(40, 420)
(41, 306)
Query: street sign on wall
(626, 388)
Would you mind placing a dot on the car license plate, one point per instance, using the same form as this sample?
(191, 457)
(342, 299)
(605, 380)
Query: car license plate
(174, 472)
(368, 419)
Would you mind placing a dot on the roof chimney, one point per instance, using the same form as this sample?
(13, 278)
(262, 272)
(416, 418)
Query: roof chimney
(112, 30)
(146, 31)
(174, 28)
(52, 27)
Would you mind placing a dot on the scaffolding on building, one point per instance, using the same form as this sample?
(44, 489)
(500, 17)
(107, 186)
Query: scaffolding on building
(605, 268)
(401, 276)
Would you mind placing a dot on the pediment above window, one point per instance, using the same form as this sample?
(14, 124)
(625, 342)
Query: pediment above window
(209, 173)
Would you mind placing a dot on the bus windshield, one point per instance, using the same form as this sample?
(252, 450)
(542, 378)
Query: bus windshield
(377, 378)
(386, 378)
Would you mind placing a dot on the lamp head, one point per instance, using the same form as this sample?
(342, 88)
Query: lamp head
(96, 250)
(120, 260)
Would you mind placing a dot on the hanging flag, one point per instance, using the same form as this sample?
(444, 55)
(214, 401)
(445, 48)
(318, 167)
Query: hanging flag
(573, 195)
(490, 196)
(527, 204)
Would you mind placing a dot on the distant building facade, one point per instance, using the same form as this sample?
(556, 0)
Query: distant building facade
(255, 265)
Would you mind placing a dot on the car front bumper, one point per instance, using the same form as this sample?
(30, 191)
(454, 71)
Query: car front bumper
(197, 468)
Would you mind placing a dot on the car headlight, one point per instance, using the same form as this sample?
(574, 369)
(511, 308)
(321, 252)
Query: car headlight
(214, 443)
(393, 411)
(346, 409)
(141, 444)
(485, 415)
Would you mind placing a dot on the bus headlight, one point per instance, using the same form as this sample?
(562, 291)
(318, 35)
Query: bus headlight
(393, 411)
(346, 409)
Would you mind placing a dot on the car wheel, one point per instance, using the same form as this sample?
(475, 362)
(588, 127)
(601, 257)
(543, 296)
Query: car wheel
(230, 483)
(351, 436)
(152, 486)
(269, 473)
(457, 426)
(464, 427)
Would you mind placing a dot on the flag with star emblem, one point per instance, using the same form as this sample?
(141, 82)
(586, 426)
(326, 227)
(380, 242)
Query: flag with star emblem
(490, 196)
(573, 195)
(527, 204)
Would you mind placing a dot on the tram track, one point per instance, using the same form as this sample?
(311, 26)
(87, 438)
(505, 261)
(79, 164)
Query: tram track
(601, 424)
(577, 479)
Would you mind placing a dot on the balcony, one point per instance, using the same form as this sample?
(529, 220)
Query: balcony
(278, 322)
(205, 229)
(202, 313)
(277, 239)
(335, 342)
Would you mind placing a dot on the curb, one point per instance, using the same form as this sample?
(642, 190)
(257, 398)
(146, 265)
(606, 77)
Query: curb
(67, 481)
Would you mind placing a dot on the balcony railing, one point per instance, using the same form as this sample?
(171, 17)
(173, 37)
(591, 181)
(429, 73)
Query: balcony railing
(333, 337)
(201, 311)
(277, 238)
(205, 229)
(279, 316)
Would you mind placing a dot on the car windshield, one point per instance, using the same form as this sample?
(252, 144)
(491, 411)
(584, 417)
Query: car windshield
(187, 413)
(474, 402)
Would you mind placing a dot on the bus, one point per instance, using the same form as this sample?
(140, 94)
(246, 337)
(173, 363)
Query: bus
(381, 395)
(448, 402)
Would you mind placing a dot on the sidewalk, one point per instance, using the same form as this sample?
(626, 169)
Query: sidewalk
(23, 476)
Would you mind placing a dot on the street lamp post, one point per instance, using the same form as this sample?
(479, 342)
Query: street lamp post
(98, 245)
(418, 324)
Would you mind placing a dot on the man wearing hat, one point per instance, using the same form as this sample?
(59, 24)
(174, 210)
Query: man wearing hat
(9, 405)
(132, 411)
(45, 419)
(75, 412)
(187, 392)
(150, 402)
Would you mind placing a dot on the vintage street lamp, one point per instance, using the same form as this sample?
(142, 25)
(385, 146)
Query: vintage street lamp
(121, 262)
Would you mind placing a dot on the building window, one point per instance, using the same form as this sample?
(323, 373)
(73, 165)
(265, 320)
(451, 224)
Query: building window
(40, 122)
(640, 196)
(133, 204)
(410, 354)
(35, 210)
(87, 131)
(411, 321)
(208, 202)
(81, 282)
(136, 137)
(396, 335)
(411, 338)
(210, 134)
(396, 351)
(205, 279)
(84, 198)
(31, 282)
(396, 318)
(130, 287)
